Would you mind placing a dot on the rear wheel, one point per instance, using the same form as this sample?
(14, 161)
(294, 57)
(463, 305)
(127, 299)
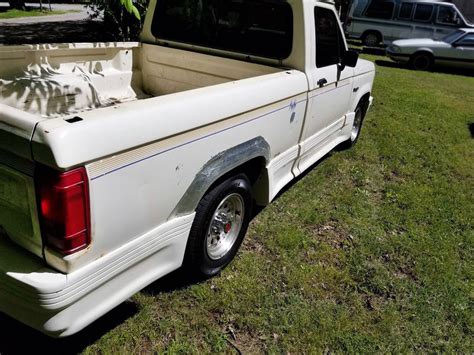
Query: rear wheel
(421, 61)
(371, 39)
(222, 219)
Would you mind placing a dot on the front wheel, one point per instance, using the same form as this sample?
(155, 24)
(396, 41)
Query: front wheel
(421, 61)
(222, 219)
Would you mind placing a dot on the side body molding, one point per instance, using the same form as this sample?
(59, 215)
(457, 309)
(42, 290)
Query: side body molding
(216, 167)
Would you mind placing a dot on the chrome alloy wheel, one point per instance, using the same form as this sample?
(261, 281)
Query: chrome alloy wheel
(225, 226)
(356, 125)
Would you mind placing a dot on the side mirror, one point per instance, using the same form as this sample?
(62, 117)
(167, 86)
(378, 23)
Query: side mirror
(350, 58)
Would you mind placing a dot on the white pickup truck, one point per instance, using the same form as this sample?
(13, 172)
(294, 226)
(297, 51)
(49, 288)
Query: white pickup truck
(121, 162)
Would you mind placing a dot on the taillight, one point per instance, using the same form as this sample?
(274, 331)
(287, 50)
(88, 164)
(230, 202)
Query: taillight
(63, 199)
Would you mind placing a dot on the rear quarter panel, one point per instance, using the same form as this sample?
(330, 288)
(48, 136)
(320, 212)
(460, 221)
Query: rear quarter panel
(137, 189)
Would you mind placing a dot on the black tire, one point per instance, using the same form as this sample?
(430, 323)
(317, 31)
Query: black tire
(371, 39)
(360, 112)
(197, 258)
(421, 61)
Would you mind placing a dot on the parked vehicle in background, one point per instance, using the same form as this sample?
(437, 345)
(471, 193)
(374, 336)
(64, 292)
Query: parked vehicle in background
(120, 162)
(383, 21)
(456, 49)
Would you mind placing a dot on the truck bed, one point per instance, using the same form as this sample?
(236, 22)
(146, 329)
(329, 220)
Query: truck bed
(66, 79)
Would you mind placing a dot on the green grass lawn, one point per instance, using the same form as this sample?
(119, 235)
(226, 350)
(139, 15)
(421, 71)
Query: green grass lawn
(29, 13)
(371, 251)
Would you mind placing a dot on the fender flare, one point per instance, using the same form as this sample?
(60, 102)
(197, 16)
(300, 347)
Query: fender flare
(216, 167)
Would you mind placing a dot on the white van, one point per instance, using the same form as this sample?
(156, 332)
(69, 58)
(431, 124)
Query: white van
(377, 21)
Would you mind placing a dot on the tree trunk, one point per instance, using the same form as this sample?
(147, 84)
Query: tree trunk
(17, 4)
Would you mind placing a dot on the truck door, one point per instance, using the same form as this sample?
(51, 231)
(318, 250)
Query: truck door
(330, 87)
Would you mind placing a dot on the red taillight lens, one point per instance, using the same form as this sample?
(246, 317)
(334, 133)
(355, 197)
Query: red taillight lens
(64, 208)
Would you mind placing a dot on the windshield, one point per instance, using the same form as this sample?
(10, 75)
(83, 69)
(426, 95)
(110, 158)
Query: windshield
(453, 36)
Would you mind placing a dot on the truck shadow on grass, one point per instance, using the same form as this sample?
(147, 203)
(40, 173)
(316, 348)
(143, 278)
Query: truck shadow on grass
(435, 69)
(16, 338)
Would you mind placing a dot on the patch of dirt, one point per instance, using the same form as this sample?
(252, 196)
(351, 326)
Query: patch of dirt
(405, 272)
(374, 302)
(332, 234)
(395, 176)
(244, 343)
(251, 243)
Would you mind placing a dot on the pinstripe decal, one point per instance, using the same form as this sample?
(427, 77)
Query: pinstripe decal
(193, 140)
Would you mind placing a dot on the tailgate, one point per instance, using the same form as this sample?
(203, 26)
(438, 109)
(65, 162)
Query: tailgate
(18, 213)
(18, 216)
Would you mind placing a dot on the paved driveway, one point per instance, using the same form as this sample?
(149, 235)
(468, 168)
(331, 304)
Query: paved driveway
(80, 14)
(70, 27)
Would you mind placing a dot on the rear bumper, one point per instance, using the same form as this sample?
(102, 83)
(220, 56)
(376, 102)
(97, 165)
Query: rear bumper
(60, 305)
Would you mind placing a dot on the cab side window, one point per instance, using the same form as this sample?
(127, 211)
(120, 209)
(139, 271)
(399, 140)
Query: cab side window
(380, 9)
(405, 11)
(329, 44)
(447, 16)
(423, 12)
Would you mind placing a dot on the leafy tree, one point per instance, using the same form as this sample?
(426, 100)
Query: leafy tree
(123, 18)
(131, 8)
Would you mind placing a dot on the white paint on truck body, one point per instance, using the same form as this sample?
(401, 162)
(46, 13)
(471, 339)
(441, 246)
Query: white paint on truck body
(154, 126)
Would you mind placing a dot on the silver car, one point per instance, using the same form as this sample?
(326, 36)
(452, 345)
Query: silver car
(456, 49)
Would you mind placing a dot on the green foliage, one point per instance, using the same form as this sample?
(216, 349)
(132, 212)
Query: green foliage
(131, 8)
(123, 18)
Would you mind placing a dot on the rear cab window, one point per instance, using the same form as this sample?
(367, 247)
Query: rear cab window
(253, 27)
(380, 9)
(423, 12)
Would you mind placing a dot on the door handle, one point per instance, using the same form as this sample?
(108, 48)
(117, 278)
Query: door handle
(322, 82)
